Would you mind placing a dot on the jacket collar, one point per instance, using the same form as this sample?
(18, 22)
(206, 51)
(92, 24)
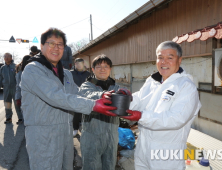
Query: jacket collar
(41, 59)
(12, 62)
(103, 84)
(158, 77)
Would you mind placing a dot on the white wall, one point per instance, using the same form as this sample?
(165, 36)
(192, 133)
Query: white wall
(208, 127)
(201, 70)
(139, 73)
(199, 67)
(121, 73)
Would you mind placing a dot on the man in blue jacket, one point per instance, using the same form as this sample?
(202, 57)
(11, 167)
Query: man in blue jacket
(8, 81)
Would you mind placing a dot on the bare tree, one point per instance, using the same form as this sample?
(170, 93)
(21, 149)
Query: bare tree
(76, 46)
(15, 56)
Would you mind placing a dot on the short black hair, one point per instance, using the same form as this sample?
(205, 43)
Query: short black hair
(8, 54)
(34, 49)
(53, 31)
(101, 58)
(25, 61)
(78, 60)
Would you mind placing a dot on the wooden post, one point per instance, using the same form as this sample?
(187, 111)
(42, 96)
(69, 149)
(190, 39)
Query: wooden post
(214, 46)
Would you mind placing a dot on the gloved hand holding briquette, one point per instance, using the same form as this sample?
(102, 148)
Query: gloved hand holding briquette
(134, 115)
(100, 107)
(125, 92)
(107, 94)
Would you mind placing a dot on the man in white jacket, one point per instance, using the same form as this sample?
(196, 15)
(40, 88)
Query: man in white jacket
(169, 103)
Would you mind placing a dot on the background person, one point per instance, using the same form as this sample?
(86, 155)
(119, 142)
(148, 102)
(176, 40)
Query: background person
(169, 103)
(18, 95)
(34, 50)
(79, 76)
(8, 81)
(67, 58)
(48, 97)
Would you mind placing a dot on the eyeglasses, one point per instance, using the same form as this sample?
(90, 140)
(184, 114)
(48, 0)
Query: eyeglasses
(52, 45)
(100, 68)
(7, 57)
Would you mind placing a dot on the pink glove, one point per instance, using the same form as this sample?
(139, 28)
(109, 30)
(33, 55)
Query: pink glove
(134, 115)
(100, 107)
(18, 102)
(125, 92)
(107, 94)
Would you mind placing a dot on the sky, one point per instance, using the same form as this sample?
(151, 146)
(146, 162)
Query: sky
(27, 19)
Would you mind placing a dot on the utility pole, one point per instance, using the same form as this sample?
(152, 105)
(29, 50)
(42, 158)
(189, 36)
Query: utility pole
(89, 37)
(91, 27)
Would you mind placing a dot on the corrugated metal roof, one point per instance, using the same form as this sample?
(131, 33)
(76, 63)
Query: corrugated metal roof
(145, 8)
(137, 43)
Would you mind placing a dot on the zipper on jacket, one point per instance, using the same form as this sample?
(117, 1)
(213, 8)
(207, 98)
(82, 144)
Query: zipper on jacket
(68, 114)
(68, 111)
(65, 92)
(9, 75)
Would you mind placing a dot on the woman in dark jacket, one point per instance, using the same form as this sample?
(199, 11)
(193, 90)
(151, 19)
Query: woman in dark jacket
(20, 67)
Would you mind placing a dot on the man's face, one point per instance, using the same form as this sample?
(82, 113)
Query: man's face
(79, 66)
(53, 54)
(102, 71)
(7, 58)
(168, 62)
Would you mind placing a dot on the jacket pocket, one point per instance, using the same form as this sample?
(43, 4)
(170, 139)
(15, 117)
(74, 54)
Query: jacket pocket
(165, 102)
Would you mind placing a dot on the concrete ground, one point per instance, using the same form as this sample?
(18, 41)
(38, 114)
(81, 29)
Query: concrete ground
(12, 138)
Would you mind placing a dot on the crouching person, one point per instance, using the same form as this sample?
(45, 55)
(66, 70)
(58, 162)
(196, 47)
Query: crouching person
(99, 137)
(48, 96)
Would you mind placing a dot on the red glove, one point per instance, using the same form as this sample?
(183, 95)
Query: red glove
(125, 92)
(70, 66)
(107, 94)
(100, 107)
(18, 102)
(134, 115)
